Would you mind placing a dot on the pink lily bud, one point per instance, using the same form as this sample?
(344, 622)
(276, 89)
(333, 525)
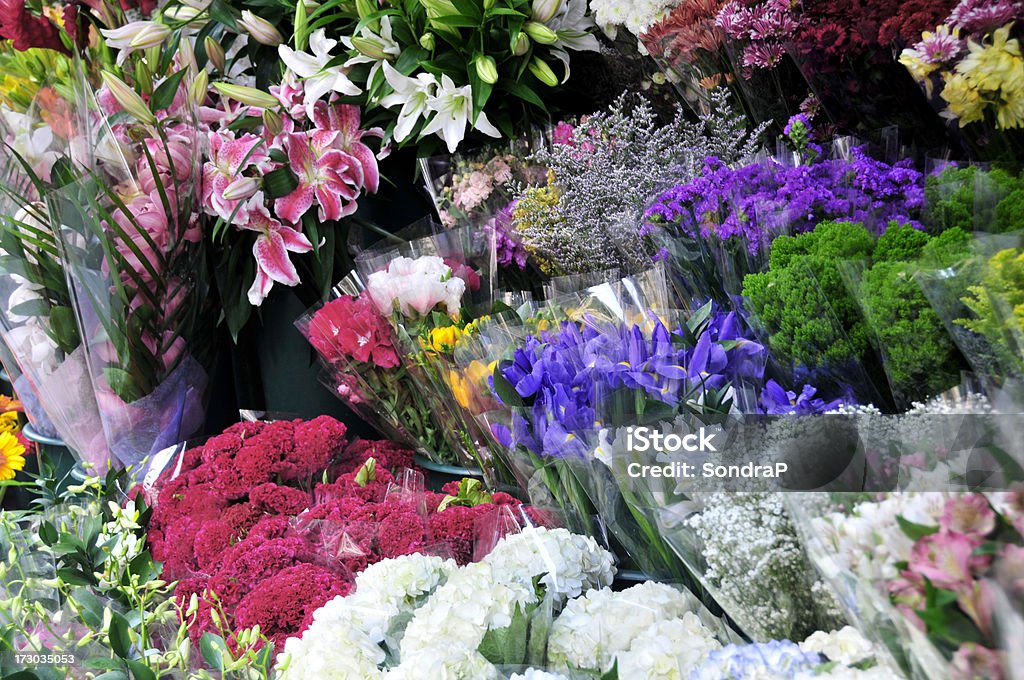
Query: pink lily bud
(241, 188)
(261, 30)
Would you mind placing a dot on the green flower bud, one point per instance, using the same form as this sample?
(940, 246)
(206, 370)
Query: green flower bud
(427, 41)
(249, 96)
(540, 33)
(522, 45)
(486, 69)
(542, 72)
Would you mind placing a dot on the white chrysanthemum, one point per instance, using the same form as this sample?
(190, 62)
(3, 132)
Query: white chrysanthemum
(668, 650)
(569, 564)
(594, 629)
(636, 15)
(344, 640)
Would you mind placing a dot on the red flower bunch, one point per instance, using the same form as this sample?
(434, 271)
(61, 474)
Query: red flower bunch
(241, 524)
(351, 328)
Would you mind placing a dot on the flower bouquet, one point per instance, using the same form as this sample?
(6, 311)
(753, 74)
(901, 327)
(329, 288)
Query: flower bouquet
(137, 271)
(966, 67)
(913, 571)
(364, 369)
(37, 322)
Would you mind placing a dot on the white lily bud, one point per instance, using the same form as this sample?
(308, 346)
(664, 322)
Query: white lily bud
(128, 98)
(241, 188)
(521, 45)
(261, 30)
(249, 96)
(544, 10)
(138, 35)
(540, 33)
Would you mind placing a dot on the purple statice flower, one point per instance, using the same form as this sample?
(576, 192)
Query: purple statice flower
(980, 16)
(799, 123)
(777, 401)
(508, 250)
(755, 203)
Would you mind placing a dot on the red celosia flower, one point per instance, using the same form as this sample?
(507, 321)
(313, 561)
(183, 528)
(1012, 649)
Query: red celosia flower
(388, 455)
(352, 328)
(316, 443)
(282, 500)
(283, 605)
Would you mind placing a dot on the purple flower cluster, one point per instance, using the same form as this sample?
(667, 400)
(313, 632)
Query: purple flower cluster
(979, 16)
(510, 252)
(777, 401)
(766, 26)
(757, 202)
(566, 377)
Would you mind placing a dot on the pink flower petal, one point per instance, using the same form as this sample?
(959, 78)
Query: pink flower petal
(292, 207)
(294, 240)
(272, 258)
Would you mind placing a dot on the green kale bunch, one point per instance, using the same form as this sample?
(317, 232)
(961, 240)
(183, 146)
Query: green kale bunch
(974, 200)
(817, 318)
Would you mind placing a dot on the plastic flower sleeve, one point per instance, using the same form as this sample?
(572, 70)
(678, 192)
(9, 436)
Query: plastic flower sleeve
(38, 325)
(918, 356)
(362, 367)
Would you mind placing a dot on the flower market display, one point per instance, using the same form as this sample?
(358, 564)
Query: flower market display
(511, 340)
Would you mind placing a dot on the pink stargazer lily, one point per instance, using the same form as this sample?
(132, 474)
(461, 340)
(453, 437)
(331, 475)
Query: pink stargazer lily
(271, 250)
(329, 176)
(227, 157)
(344, 119)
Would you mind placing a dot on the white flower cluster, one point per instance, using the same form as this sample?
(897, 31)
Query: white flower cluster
(636, 15)
(344, 641)
(537, 674)
(484, 596)
(595, 630)
(416, 286)
(757, 567)
(868, 540)
(568, 564)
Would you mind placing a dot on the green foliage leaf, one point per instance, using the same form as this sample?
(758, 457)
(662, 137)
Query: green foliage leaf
(164, 94)
(91, 607)
(120, 639)
(140, 671)
(74, 576)
(221, 11)
(37, 307)
(507, 646)
(280, 182)
(524, 92)
(213, 650)
(914, 531)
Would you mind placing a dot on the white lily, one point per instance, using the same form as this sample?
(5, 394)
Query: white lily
(318, 80)
(373, 48)
(574, 28)
(412, 93)
(454, 110)
(137, 35)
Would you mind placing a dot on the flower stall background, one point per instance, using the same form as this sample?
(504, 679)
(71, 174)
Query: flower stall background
(327, 328)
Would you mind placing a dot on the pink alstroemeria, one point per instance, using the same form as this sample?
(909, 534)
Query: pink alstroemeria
(271, 250)
(946, 559)
(344, 118)
(326, 175)
(229, 157)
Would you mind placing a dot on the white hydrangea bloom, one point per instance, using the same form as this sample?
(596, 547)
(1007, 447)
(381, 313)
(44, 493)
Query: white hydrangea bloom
(668, 650)
(569, 564)
(594, 629)
(344, 640)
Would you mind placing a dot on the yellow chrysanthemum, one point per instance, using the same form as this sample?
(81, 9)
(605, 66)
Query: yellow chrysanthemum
(963, 100)
(9, 422)
(996, 65)
(12, 458)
